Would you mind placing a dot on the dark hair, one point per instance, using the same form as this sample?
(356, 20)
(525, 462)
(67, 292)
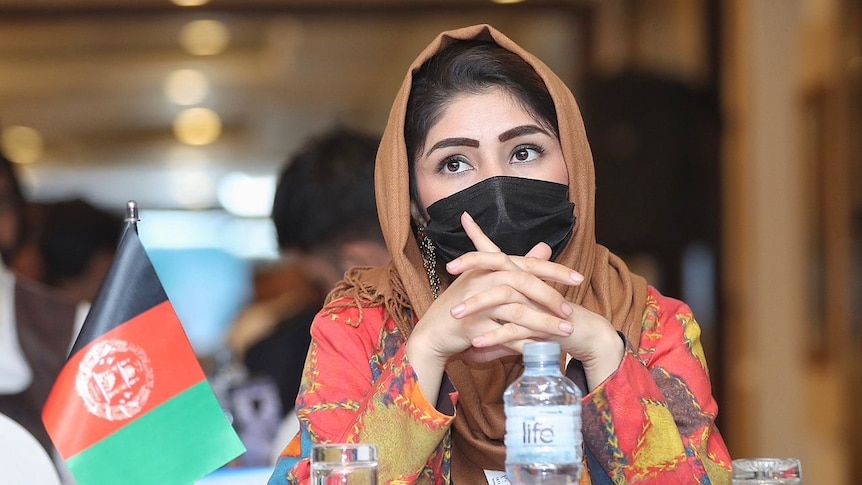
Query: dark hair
(472, 67)
(13, 198)
(73, 232)
(325, 193)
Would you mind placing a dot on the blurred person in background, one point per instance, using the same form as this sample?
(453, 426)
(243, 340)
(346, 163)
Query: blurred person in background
(77, 244)
(37, 323)
(325, 219)
(12, 208)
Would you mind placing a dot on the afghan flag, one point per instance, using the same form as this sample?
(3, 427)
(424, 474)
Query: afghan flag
(132, 404)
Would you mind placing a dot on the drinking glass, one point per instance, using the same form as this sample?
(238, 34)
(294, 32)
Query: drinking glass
(344, 464)
(767, 471)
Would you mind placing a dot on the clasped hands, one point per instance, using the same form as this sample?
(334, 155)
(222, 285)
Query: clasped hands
(500, 302)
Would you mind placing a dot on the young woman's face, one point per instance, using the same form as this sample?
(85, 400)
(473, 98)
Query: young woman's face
(481, 136)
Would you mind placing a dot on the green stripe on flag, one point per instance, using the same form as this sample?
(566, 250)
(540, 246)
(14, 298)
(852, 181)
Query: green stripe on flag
(156, 448)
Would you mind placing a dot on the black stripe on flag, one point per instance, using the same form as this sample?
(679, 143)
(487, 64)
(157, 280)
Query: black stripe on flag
(130, 288)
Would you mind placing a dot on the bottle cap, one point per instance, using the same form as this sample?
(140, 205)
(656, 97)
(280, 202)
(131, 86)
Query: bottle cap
(541, 351)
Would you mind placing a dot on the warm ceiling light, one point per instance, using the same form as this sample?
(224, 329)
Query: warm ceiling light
(197, 126)
(186, 87)
(190, 3)
(506, 2)
(22, 144)
(204, 37)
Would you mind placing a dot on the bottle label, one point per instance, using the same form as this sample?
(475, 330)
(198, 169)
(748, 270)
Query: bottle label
(543, 434)
(497, 478)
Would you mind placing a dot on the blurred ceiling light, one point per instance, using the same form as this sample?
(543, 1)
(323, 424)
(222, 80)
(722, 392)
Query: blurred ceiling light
(30, 178)
(506, 2)
(191, 189)
(185, 156)
(197, 126)
(22, 144)
(190, 3)
(186, 87)
(245, 195)
(204, 37)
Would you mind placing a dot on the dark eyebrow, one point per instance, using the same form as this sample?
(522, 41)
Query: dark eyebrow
(521, 131)
(453, 142)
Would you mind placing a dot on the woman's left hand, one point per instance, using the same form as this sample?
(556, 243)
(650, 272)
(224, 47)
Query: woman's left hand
(591, 338)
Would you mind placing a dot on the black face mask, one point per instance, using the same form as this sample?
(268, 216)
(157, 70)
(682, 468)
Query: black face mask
(515, 213)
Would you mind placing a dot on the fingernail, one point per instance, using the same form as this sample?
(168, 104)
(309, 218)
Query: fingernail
(576, 277)
(453, 265)
(566, 328)
(478, 341)
(567, 309)
(458, 310)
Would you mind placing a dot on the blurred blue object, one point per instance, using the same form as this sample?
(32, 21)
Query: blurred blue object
(208, 287)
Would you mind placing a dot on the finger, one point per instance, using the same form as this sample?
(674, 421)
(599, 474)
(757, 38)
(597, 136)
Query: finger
(542, 251)
(548, 270)
(520, 288)
(517, 346)
(511, 348)
(487, 354)
(540, 268)
(477, 235)
(531, 324)
(510, 336)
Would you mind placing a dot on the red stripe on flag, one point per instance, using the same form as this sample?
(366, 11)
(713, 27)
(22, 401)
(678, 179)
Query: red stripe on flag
(169, 367)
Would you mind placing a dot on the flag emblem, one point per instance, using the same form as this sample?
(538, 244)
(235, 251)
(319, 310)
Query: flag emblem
(115, 379)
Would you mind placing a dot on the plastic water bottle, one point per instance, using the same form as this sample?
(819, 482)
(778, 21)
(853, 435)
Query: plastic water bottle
(544, 445)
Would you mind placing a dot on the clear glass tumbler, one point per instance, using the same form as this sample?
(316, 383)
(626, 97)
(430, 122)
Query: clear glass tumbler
(344, 464)
(767, 471)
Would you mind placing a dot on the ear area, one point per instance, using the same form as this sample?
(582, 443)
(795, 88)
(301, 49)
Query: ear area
(419, 217)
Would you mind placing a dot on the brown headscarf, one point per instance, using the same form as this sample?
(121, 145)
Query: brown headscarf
(609, 289)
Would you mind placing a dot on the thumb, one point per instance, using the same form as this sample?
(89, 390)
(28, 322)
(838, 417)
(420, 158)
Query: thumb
(540, 251)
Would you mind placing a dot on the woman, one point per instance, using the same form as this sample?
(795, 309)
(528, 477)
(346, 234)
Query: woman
(414, 357)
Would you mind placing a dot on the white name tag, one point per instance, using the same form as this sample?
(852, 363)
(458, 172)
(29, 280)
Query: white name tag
(497, 478)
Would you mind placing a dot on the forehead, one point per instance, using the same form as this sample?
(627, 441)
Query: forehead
(492, 109)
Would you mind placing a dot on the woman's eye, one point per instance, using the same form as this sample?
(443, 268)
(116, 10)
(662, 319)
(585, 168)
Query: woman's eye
(453, 165)
(526, 153)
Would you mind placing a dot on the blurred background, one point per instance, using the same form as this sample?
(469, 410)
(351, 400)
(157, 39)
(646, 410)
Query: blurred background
(726, 136)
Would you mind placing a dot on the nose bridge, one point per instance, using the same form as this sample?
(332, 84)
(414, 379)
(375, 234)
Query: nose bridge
(494, 164)
(493, 171)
